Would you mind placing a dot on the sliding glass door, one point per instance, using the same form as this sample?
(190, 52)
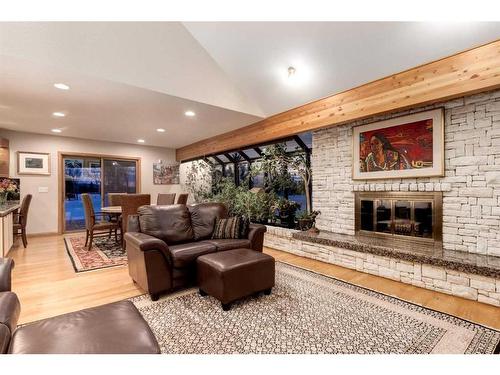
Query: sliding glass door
(96, 176)
(81, 175)
(120, 176)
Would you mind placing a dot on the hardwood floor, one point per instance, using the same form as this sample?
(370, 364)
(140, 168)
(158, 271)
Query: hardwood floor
(47, 285)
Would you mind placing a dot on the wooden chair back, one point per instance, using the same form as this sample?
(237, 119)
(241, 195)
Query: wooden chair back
(88, 208)
(165, 199)
(23, 211)
(182, 199)
(130, 203)
(115, 199)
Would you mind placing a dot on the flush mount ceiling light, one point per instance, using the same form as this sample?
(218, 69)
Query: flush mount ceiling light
(58, 114)
(190, 113)
(160, 130)
(141, 141)
(296, 74)
(56, 130)
(61, 86)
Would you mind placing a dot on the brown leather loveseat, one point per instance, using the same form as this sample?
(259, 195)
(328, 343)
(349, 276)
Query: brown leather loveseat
(163, 243)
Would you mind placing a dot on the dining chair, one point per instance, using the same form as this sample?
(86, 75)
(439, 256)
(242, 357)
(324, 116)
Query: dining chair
(115, 199)
(21, 219)
(130, 203)
(94, 224)
(182, 199)
(165, 199)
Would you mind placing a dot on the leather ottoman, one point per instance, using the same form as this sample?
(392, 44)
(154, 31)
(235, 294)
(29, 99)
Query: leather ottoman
(116, 328)
(233, 274)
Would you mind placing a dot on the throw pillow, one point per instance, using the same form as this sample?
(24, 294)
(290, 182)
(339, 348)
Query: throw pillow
(244, 226)
(227, 228)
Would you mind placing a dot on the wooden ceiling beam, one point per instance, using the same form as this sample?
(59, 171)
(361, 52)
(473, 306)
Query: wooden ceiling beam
(464, 73)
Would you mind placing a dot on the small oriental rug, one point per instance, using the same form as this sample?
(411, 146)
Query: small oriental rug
(309, 313)
(105, 253)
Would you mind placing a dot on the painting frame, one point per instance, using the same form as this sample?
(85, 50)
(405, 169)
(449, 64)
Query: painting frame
(437, 169)
(40, 163)
(166, 173)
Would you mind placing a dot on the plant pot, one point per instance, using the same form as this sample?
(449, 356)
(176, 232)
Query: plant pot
(288, 220)
(305, 224)
(313, 230)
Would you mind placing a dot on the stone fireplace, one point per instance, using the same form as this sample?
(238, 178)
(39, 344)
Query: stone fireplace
(400, 216)
(440, 233)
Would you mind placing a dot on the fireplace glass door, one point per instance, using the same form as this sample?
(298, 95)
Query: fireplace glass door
(423, 219)
(399, 214)
(403, 224)
(384, 216)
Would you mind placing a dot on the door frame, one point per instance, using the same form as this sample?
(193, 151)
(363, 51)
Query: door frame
(62, 186)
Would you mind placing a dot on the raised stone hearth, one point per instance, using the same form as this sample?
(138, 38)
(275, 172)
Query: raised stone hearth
(471, 276)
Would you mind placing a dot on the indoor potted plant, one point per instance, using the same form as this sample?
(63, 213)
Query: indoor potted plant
(286, 211)
(307, 220)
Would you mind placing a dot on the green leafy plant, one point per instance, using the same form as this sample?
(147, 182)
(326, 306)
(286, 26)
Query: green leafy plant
(286, 207)
(276, 164)
(307, 220)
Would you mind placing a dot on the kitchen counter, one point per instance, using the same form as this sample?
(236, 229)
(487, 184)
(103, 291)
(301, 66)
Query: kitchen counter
(7, 226)
(9, 207)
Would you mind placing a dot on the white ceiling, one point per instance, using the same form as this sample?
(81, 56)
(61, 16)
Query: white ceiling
(103, 110)
(127, 79)
(329, 57)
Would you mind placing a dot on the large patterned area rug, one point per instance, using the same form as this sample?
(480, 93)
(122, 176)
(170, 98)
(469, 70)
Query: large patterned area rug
(105, 253)
(309, 313)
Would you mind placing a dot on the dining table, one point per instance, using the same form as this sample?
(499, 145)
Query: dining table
(113, 210)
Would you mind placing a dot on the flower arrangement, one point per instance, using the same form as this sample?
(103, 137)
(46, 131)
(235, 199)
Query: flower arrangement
(6, 187)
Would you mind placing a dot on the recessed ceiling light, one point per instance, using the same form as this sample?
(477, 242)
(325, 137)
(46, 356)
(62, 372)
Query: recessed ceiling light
(61, 86)
(58, 114)
(160, 130)
(141, 140)
(56, 131)
(190, 113)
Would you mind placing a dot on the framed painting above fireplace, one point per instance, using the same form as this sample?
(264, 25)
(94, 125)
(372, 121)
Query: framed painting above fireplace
(403, 147)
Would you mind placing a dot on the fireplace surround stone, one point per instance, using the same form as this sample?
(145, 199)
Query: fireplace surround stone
(471, 276)
(470, 186)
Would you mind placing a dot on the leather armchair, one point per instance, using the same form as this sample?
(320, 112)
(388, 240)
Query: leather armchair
(164, 242)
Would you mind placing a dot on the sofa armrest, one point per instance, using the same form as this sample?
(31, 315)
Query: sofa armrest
(10, 309)
(133, 223)
(6, 266)
(256, 236)
(145, 242)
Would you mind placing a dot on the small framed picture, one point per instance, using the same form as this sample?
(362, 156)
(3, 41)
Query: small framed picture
(33, 163)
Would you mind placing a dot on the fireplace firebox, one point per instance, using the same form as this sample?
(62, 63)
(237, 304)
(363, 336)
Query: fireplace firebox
(412, 216)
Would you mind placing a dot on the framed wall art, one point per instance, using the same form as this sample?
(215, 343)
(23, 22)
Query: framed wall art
(33, 163)
(165, 174)
(403, 147)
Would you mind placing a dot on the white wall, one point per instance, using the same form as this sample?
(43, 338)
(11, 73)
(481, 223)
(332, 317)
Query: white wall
(43, 216)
